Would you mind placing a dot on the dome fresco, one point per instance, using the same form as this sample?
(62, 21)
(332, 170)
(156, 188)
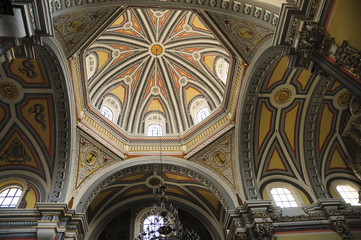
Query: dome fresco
(155, 61)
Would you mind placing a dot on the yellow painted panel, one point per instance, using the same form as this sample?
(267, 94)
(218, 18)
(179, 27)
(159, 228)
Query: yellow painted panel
(119, 21)
(335, 86)
(176, 191)
(337, 160)
(102, 58)
(133, 177)
(134, 191)
(209, 61)
(290, 125)
(26, 158)
(276, 162)
(264, 124)
(303, 197)
(99, 198)
(31, 199)
(198, 24)
(211, 197)
(155, 105)
(356, 234)
(333, 193)
(343, 24)
(119, 92)
(265, 195)
(304, 78)
(31, 112)
(27, 69)
(309, 236)
(177, 177)
(12, 182)
(325, 126)
(278, 72)
(191, 93)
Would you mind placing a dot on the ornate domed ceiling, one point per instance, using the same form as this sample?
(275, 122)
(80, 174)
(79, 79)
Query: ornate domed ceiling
(155, 66)
(154, 61)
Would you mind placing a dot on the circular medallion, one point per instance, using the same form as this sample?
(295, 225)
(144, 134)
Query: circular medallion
(196, 56)
(245, 32)
(127, 25)
(183, 81)
(283, 95)
(156, 90)
(219, 158)
(91, 158)
(187, 28)
(154, 181)
(75, 25)
(128, 79)
(158, 14)
(8, 91)
(156, 49)
(344, 98)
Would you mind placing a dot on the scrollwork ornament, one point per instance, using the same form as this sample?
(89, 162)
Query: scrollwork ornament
(349, 58)
(341, 228)
(241, 236)
(16, 153)
(264, 230)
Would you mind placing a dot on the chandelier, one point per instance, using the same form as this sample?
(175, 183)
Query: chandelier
(165, 224)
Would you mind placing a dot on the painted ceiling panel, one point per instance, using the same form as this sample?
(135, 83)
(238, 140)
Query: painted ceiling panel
(336, 161)
(28, 70)
(17, 152)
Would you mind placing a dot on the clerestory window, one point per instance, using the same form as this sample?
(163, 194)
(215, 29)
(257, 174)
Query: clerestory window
(10, 197)
(107, 112)
(349, 194)
(155, 130)
(283, 197)
(202, 114)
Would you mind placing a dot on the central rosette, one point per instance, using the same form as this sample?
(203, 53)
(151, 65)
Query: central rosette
(156, 49)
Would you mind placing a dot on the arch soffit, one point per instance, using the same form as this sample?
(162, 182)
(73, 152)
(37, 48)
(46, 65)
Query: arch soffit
(214, 227)
(103, 178)
(259, 12)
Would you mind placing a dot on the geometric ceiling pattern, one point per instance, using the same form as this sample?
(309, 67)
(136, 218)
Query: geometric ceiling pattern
(295, 129)
(30, 132)
(155, 61)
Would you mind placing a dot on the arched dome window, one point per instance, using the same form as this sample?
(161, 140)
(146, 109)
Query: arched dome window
(283, 197)
(111, 108)
(107, 112)
(202, 114)
(9, 197)
(349, 194)
(222, 67)
(155, 130)
(155, 124)
(91, 64)
(199, 110)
